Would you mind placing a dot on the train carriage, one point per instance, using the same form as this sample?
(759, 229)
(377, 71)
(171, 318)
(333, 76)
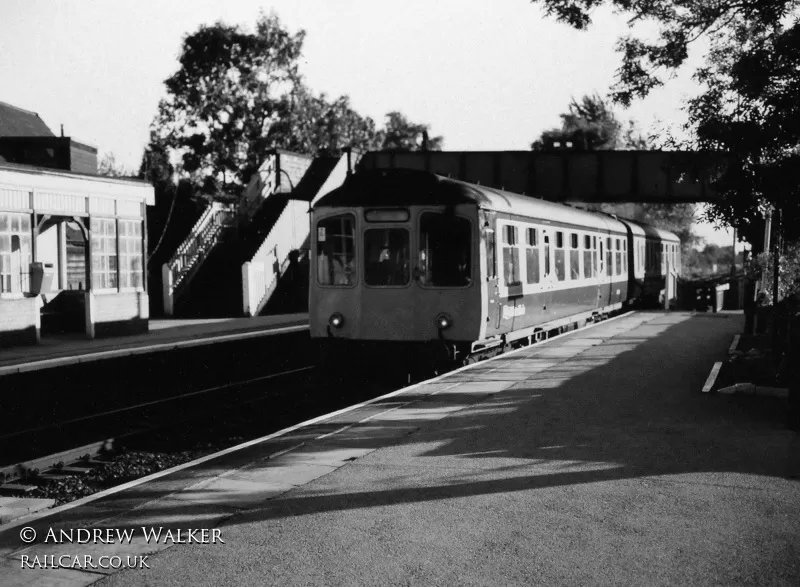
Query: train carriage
(410, 260)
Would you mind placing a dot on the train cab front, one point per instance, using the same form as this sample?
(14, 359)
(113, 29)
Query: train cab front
(394, 284)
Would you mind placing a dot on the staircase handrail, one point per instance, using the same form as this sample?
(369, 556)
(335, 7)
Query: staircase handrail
(202, 238)
(186, 244)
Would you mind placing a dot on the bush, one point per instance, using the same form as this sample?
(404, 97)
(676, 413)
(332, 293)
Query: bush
(761, 268)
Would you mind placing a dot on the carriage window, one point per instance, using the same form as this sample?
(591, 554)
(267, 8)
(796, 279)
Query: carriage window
(609, 258)
(387, 253)
(595, 260)
(587, 256)
(510, 256)
(532, 256)
(336, 250)
(617, 257)
(624, 256)
(445, 247)
(574, 257)
(561, 270)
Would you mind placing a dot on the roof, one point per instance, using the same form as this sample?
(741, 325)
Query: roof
(16, 122)
(388, 187)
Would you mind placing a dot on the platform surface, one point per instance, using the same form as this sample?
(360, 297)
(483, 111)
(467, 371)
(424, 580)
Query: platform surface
(590, 460)
(64, 349)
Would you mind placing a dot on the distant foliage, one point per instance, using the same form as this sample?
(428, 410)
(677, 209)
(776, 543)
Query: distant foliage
(400, 134)
(109, 167)
(587, 125)
(761, 266)
(710, 260)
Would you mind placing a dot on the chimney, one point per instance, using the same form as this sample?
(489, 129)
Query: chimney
(62, 131)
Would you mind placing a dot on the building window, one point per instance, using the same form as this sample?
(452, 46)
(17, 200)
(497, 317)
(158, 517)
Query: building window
(104, 253)
(15, 252)
(76, 256)
(130, 253)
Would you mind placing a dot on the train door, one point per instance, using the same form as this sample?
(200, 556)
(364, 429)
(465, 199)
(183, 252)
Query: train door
(387, 296)
(492, 305)
(548, 273)
(604, 273)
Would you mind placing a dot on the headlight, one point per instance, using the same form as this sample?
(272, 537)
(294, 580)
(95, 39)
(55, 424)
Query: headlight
(336, 320)
(443, 321)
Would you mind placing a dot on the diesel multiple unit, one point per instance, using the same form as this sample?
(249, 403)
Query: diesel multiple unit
(408, 261)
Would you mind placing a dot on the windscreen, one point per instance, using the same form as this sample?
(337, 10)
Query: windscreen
(445, 250)
(336, 250)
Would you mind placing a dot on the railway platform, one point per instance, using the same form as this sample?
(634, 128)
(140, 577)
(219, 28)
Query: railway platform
(164, 334)
(593, 458)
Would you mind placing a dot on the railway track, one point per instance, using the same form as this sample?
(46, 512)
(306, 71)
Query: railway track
(184, 426)
(180, 427)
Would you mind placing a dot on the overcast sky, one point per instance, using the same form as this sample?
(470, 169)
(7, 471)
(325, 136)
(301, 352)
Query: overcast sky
(485, 75)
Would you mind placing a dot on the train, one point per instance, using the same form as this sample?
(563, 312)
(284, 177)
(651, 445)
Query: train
(407, 264)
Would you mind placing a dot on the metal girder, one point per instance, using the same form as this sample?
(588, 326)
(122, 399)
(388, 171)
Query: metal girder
(571, 176)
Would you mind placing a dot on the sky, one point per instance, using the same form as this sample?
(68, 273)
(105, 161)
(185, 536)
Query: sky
(484, 75)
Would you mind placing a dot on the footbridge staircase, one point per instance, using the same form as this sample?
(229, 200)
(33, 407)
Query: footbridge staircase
(243, 260)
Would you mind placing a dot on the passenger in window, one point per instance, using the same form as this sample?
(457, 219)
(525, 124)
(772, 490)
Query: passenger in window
(463, 269)
(343, 271)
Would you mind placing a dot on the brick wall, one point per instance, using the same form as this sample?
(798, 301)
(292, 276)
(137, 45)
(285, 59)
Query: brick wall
(295, 166)
(19, 321)
(117, 314)
(83, 158)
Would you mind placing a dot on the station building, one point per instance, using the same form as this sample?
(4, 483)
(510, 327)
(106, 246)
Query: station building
(72, 243)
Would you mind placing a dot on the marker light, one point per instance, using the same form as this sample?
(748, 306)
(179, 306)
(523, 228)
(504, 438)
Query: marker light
(336, 320)
(443, 321)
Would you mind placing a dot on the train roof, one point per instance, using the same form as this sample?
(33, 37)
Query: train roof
(392, 187)
(650, 231)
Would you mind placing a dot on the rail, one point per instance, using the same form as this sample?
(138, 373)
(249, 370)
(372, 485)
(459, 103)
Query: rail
(261, 273)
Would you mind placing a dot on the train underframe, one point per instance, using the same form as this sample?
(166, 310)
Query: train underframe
(420, 359)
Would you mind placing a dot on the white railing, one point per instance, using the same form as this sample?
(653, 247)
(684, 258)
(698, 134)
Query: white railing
(260, 274)
(183, 265)
(262, 185)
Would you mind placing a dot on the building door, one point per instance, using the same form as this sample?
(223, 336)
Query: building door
(76, 257)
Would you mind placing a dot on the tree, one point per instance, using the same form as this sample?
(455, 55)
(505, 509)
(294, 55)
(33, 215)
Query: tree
(588, 125)
(591, 125)
(747, 108)
(223, 103)
(316, 126)
(109, 167)
(400, 134)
